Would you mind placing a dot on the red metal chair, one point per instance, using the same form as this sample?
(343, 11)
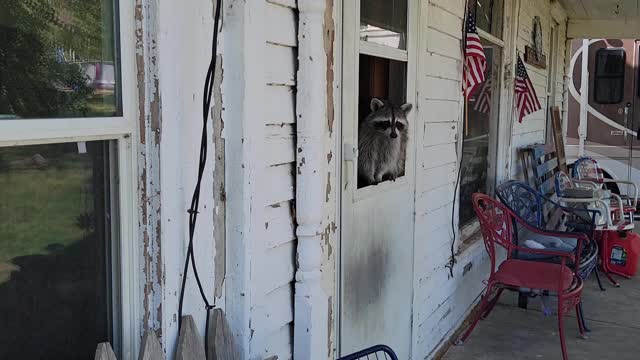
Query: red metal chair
(497, 224)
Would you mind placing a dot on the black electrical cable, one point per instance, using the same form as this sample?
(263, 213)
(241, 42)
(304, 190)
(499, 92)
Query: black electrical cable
(195, 200)
(461, 170)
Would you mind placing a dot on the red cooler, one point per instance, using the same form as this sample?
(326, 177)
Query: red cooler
(622, 252)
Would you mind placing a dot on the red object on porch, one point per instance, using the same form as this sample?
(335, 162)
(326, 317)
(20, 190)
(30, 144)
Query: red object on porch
(498, 224)
(621, 252)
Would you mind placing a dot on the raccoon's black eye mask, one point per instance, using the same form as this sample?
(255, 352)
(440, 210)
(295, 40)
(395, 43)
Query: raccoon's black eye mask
(382, 125)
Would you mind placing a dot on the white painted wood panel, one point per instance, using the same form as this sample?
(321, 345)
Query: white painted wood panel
(455, 7)
(279, 224)
(439, 155)
(279, 105)
(445, 21)
(280, 145)
(281, 21)
(438, 88)
(278, 184)
(443, 44)
(436, 176)
(434, 199)
(441, 110)
(280, 64)
(438, 66)
(440, 133)
(286, 3)
(276, 268)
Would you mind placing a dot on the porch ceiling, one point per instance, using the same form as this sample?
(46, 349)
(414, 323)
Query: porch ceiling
(618, 19)
(602, 9)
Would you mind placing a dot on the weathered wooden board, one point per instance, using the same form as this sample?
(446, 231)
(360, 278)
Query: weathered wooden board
(150, 348)
(558, 139)
(105, 352)
(221, 343)
(190, 345)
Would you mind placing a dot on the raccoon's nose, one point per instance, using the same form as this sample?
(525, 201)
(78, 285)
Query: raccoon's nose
(394, 134)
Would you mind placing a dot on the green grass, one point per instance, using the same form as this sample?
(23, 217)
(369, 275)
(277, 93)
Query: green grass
(38, 208)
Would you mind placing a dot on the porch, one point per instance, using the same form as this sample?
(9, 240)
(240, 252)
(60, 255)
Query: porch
(510, 332)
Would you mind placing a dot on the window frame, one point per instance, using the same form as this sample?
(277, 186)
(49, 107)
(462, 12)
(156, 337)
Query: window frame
(469, 229)
(121, 131)
(621, 76)
(351, 72)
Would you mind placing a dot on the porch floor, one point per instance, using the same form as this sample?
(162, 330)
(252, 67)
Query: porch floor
(513, 333)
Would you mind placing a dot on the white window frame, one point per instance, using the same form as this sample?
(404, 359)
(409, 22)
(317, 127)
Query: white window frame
(498, 153)
(122, 130)
(351, 63)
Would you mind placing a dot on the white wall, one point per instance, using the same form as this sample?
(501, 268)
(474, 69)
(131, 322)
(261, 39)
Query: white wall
(440, 302)
(532, 128)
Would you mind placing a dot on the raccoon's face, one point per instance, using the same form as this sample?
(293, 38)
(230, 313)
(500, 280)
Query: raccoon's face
(389, 119)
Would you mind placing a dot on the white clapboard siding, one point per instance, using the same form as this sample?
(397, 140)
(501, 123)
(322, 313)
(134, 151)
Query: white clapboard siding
(441, 110)
(434, 198)
(445, 22)
(280, 343)
(440, 133)
(279, 224)
(443, 44)
(275, 311)
(281, 21)
(286, 3)
(436, 65)
(278, 184)
(280, 143)
(438, 88)
(277, 267)
(455, 7)
(439, 155)
(280, 64)
(436, 177)
(279, 105)
(273, 266)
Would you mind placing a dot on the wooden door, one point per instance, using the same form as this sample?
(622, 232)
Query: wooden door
(376, 246)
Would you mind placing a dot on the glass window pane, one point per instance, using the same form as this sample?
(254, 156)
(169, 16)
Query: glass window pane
(58, 58)
(384, 22)
(54, 251)
(382, 122)
(489, 15)
(482, 115)
(609, 79)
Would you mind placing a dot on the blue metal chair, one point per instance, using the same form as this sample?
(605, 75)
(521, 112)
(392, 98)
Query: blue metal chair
(543, 213)
(373, 353)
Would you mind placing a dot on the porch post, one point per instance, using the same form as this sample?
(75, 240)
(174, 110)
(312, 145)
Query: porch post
(584, 97)
(310, 303)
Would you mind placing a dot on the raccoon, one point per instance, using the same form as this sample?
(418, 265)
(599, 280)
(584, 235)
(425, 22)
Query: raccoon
(382, 142)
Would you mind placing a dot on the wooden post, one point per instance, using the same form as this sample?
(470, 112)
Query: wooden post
(151, 348)
(310, 301)
(190, 346)
(221, 344)
(104, 352)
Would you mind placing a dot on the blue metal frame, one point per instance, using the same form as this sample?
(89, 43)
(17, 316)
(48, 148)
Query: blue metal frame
(375, 352)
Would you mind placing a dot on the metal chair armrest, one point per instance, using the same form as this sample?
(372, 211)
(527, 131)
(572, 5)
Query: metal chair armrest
(634, 185)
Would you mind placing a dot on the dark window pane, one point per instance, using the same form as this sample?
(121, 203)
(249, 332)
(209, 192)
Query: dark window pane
(58, 58)
(386, 80)
(54, 251)
(384, 22)
(489, 14)
(482, 113)
(609, 79)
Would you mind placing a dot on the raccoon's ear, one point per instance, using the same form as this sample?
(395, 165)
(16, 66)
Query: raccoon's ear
(376, 104)
(406, 108)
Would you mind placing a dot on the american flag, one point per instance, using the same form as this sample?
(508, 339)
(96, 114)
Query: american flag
(475, 62)
(483, 100)
(526, 98)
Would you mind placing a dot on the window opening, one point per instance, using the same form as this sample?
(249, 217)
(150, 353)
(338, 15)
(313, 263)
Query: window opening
(55, 250)
(609, 78)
